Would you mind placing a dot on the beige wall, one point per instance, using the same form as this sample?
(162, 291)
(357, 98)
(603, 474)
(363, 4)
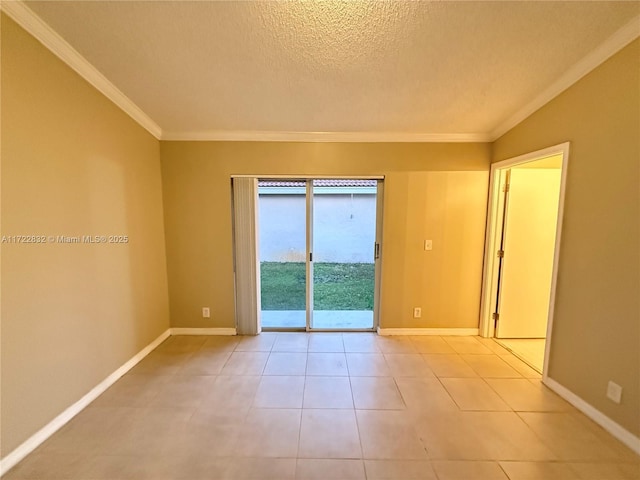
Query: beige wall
(432, 191)
(596, 330)
(72, 164)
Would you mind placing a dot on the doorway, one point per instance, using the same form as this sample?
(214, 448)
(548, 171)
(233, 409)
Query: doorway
(317, 251)
(523, 238)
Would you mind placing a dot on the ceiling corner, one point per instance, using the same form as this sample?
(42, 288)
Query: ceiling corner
(38, 28)
(616, 42)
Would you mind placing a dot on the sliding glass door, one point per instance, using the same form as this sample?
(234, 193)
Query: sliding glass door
(318, 249)
(343, 248)
(282, 227)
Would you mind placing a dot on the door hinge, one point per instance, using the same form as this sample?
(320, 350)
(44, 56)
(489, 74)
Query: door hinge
(376, 251)
(311, 256)
(495, 316)
(500, 253)
(505, 188)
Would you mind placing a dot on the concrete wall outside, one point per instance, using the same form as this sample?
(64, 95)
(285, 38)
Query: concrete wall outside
(344, 228)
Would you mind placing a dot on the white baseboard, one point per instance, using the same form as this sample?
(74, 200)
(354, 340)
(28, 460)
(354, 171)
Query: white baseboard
(203, 331)
(615, 429)
(54, 425)
(428, 331)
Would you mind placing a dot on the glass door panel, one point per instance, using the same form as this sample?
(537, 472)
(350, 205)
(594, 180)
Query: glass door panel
(282, 237)
(343, 243)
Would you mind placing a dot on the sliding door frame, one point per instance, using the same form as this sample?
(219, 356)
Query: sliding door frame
(252, 286)
(309, 252)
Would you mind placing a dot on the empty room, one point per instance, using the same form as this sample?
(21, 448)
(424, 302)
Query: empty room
(320, 240)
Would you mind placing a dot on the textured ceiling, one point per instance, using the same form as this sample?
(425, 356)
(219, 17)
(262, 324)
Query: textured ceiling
(411, 67)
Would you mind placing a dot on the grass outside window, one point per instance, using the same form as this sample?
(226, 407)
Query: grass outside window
(336, 286)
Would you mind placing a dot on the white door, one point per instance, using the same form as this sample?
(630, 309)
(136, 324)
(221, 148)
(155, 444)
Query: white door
(529, 243)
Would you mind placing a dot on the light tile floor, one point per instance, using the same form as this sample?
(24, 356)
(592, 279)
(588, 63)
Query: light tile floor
(531, 350)
(330, 406)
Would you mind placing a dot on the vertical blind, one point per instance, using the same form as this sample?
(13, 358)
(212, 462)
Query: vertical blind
(247, 268)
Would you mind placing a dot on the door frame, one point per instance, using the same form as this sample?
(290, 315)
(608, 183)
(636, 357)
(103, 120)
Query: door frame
(377, 260)
(252, 286)
(493, 235)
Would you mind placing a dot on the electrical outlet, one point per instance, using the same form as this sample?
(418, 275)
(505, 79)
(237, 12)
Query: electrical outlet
(206, 313)
(614, 392)
(417, 312)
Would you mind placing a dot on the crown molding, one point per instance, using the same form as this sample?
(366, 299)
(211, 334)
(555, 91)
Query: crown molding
(32, 23)
(318, 137)
(616, 42)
